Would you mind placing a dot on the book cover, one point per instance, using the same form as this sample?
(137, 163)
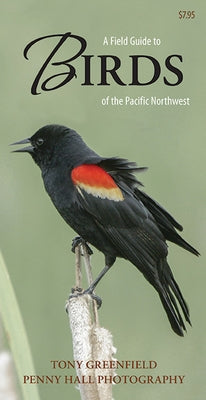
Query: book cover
(129, 78)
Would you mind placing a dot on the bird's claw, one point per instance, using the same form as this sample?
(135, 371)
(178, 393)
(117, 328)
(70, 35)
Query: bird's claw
(94, 297)
(78, 241)
(76, 292)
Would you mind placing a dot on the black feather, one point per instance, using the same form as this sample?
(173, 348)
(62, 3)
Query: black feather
(165, 221)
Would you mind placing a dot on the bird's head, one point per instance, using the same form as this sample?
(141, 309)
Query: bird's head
(51, 144)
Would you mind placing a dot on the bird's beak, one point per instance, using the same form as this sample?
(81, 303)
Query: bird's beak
(28, 149)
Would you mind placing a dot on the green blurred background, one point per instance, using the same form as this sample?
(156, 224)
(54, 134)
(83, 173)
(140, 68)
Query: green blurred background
(169, 140)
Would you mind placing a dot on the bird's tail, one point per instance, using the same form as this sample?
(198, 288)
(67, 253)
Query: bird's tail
(170, 293)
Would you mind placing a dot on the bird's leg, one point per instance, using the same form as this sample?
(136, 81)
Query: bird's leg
(78, 241)
(109, 262)
(96, 281)
(94, 284)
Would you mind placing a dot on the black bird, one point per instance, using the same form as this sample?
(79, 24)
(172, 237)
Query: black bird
(100, 198)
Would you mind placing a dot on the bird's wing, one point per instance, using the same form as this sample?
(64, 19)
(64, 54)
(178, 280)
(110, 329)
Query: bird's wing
(123, 172)
(165, 221)
(120, 215)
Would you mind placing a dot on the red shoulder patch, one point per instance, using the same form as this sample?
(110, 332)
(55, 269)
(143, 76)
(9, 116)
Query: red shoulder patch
(95, 180)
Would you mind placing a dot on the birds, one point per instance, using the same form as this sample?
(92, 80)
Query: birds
(102, 200)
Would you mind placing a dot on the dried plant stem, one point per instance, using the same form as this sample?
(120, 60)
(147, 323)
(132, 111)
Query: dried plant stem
(90, 341)
(78, 271)
(88, 269)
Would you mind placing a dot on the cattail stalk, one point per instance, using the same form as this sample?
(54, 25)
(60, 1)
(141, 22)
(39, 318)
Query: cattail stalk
(90, 341)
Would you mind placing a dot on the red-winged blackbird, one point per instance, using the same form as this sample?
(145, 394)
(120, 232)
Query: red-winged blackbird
(100, 198)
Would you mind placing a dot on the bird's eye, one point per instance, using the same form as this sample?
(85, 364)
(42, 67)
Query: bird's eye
(39, 141)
